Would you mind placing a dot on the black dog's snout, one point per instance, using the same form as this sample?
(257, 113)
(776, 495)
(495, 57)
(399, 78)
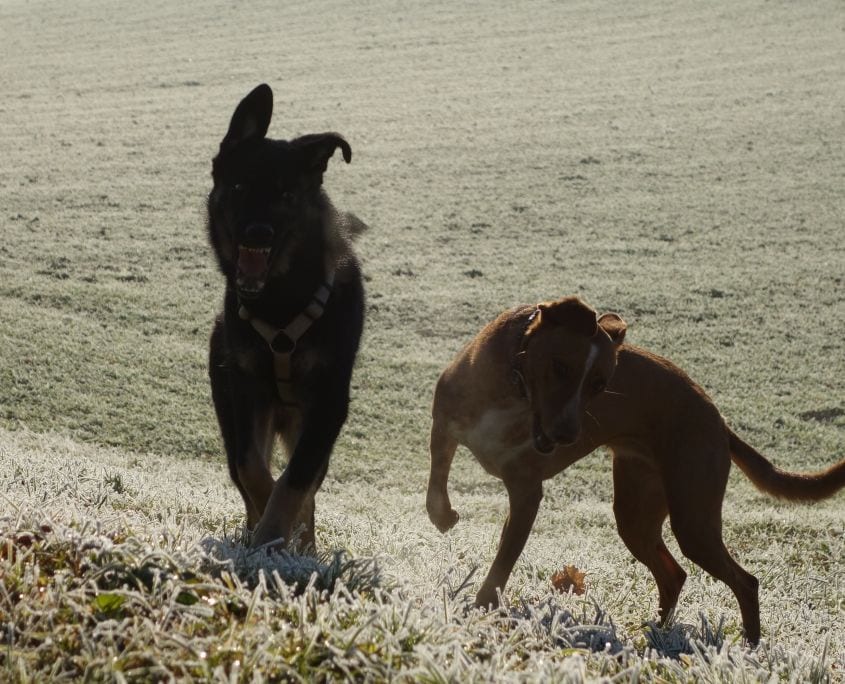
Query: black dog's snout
(258, 235)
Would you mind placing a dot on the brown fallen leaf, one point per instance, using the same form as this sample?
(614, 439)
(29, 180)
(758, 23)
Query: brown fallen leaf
(569, 578)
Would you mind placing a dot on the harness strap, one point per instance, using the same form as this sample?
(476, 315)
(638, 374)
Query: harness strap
(282, 341)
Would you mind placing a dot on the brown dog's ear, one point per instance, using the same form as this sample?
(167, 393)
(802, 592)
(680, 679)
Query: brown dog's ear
(570, 313)
(614, 326)
(251, 118)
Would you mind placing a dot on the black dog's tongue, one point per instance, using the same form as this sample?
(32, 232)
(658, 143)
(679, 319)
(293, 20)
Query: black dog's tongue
(252, 263)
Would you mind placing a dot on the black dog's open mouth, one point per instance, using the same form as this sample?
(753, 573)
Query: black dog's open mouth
(253, 266)
(542, 442)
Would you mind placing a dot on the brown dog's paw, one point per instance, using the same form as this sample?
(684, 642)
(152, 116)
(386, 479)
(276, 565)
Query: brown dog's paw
(487, 598)
(445, 519)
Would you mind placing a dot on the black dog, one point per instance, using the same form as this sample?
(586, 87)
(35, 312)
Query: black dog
(282, 352)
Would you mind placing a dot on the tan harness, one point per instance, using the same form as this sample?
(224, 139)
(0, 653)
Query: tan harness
(282, 341)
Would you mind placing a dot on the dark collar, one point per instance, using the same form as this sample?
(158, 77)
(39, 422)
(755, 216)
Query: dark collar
(517, 375)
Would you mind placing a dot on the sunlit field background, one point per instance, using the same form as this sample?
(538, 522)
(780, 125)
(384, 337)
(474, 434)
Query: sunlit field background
(681, 164)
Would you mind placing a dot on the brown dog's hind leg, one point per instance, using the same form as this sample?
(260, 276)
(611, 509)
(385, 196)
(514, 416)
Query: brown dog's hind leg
(524, 497)
(639, 504)
(437, 502)
(695, 513)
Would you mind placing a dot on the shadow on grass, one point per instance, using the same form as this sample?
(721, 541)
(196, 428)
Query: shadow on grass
(295, 571)
(673, 639)
(590, 628)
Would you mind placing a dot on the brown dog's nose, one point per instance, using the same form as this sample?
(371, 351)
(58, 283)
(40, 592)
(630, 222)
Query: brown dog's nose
(565, 433)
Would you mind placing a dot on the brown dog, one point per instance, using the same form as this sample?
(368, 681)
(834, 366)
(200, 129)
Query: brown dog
(517, 397)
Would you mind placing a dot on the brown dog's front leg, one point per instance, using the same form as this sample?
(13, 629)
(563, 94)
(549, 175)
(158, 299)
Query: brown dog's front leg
(524, 497)
(437, 502)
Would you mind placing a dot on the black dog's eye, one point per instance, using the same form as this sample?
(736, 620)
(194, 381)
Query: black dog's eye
(286, 199)
(599, 385)
(239, 188)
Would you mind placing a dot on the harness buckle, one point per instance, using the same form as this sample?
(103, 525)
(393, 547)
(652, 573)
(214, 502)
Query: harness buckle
(282, 343)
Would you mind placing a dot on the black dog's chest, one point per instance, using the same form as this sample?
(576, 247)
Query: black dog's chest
(259, 362)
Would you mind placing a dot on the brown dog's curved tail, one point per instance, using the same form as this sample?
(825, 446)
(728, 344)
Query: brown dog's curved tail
(793, 486)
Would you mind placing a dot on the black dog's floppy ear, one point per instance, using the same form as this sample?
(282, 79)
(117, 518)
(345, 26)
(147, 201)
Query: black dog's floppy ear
(251, 118)
(316, 149)
(614, 326)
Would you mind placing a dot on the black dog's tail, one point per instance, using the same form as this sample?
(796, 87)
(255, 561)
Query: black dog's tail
(794, 486)
(352, 225)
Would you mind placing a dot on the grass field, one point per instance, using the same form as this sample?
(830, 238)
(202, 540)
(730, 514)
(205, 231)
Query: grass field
(679, 163)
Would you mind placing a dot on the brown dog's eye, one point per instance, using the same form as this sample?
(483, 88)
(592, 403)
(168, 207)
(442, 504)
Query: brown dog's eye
(599, 385)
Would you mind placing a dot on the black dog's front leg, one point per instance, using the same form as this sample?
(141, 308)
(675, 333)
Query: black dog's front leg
(292, 498)
(246, 424)
(249, 454)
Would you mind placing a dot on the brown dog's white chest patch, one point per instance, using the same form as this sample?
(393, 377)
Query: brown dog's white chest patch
(498, 434)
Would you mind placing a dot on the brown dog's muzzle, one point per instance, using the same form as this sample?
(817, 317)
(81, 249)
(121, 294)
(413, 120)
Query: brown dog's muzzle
(542, 442)
(564, 431)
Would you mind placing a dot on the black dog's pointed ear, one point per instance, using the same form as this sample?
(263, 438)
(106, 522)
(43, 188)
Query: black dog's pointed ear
(614, 326)
(251, 118)
(316, 149)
